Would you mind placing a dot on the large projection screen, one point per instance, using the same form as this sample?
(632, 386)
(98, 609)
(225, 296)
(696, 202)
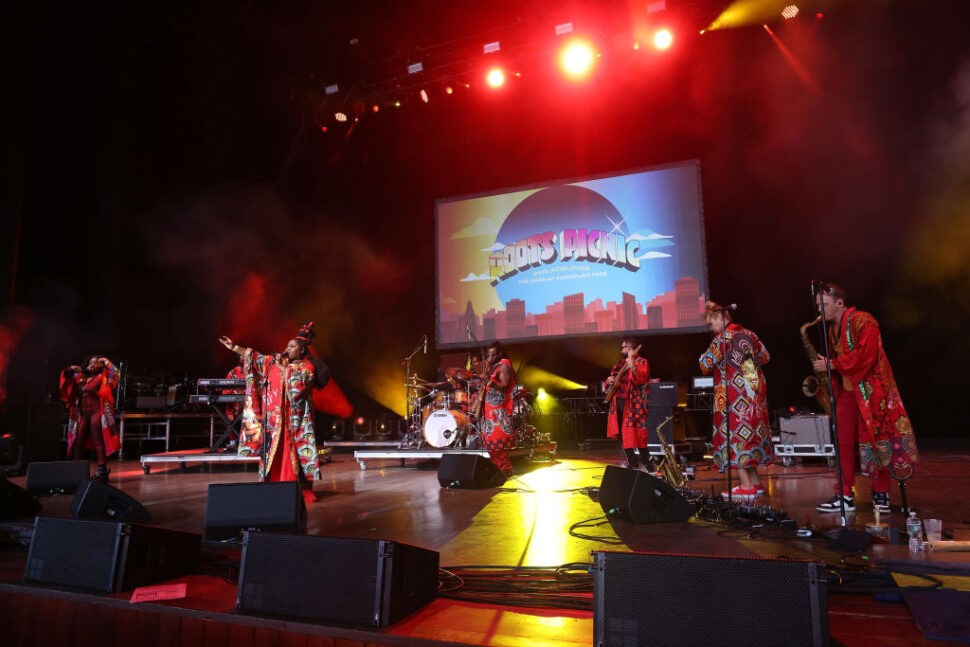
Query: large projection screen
(603, 255)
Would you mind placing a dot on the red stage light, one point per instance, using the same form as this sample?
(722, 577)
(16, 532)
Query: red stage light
(376, 108)
(495, 77)
(790, 11)
(449, 90)
(576, 59)
(424, 96)
(323, 129)
(663, 39)
(360, 421)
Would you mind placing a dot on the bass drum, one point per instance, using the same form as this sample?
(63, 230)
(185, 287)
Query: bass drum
(442, 427)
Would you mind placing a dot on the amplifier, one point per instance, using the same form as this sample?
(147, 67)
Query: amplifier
(807, 429)
(217, 398)
(664, 394)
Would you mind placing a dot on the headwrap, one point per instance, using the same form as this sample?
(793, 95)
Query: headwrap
(306, 333)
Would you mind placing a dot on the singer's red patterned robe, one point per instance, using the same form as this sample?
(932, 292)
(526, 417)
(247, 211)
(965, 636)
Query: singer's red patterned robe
(886, 439)
(288, 417)
(741, 393)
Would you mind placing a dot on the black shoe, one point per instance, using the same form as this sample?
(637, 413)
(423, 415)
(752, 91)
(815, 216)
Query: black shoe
(880, 501)
(832, 505)
(101, 476)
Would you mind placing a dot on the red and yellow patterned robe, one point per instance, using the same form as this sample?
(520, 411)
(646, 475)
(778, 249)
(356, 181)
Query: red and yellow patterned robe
(70, 392)
(739, 390)
(288, 408)
(886, 439)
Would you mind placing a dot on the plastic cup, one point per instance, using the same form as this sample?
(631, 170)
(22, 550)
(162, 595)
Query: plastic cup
(934, 529)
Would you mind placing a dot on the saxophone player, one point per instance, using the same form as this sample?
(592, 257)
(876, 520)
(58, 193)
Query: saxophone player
(874, 431)
(627, 418)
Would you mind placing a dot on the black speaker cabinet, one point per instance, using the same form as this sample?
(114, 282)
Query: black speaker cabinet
(664, 394)
(469, 471)
(107, 556)
(16, 502)
(231, 508)
(636, 496)
(655, 417)
(94, 500)
(673, 600)
(355, 581)
(58, 477)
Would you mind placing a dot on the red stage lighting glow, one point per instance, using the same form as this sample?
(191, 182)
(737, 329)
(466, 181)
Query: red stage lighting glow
(323, 129)
(360, 421)
(789, 12)
(663, 39)
(495, 77)
(576, 59)
(449, 90)
(424, 96)
(376, 108)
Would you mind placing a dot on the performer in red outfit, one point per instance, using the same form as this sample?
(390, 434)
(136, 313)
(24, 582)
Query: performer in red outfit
(628, 407)
(279, 404)
(741, 425)
(875, 434)
(88, 394)
(495, 425)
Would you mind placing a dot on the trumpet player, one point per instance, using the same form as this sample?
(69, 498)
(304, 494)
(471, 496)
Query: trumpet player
(628, 407)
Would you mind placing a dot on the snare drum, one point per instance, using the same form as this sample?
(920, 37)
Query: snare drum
(442, 427)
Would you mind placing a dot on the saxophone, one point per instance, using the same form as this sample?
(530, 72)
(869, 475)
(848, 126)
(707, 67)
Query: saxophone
(815, 385)
(669, 468)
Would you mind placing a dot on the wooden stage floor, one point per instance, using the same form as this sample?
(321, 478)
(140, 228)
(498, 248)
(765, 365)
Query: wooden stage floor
(525, 523)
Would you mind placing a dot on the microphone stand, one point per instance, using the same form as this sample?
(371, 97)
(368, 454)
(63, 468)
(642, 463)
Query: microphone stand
(727, 405)
(833, 419)
(407, 395)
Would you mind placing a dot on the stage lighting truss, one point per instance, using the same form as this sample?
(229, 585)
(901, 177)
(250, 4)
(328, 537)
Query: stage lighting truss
(461, 64)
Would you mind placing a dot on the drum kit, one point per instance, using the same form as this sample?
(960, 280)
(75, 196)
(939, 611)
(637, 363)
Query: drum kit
(441, 412)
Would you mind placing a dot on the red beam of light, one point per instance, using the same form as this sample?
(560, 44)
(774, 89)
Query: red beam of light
(331, 399)
(495, 78)
(19, 321)
(795, 64)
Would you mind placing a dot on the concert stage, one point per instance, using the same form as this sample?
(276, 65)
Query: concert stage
(526, 523)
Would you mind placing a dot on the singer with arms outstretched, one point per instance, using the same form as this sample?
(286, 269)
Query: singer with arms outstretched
(741, 426)
(279, 403)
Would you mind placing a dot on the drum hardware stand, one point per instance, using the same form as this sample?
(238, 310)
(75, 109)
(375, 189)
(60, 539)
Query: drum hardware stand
(422, 345)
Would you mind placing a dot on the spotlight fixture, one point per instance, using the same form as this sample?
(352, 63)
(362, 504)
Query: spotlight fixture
(449, 89)
(331, 89)
(576, 59)
(789, 12)
(495, 77)
(414, 68)
(564, 28)
(340, 116)
(663, 39)
(424, 96)
(491, 48)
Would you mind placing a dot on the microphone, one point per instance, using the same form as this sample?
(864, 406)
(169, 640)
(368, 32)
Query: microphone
(425, 344)
(818, 286)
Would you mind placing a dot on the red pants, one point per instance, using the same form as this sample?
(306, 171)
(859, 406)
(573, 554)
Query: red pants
(848, 419)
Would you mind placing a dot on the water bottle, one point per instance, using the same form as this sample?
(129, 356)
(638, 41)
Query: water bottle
(914, 527)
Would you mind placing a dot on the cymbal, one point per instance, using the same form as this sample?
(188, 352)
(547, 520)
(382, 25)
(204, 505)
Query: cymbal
(417, 386)
(456, 372)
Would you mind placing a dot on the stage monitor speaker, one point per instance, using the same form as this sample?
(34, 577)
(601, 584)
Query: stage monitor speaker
(59, 477)
(16, 502)
(637, 497)
(231, 508)
(95, 500)
(468, 471)
(662, 599)
(365, 581)
(108, 556)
